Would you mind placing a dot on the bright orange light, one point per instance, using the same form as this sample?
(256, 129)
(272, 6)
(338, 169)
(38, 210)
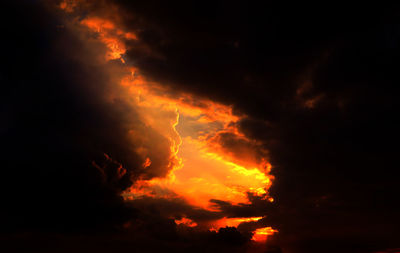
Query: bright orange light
(147, 163)
(262, 234)
(186, 222)
(233, 222)
(201, 167)
(109, 35)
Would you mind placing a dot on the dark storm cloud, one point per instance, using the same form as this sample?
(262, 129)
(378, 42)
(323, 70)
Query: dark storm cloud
(174, 208)
(257, 207)
(50, 131)
(240, 148)
(67, 150)
(318, 83)
(239, 51)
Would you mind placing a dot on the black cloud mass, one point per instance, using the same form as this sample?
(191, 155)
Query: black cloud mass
(317, 84)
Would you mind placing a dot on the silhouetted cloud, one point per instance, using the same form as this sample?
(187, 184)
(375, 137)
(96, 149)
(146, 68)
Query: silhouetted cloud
(316, 83)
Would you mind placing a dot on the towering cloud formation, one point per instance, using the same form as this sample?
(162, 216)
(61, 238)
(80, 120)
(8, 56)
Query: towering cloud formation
(105, 105)
(65, 150)
(206, 155)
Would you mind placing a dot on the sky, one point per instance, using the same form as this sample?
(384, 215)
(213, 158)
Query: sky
(202, 126)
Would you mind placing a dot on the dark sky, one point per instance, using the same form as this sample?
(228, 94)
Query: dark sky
(316, 81)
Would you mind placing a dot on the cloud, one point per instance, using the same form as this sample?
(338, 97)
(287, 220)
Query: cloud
(318, 91)
(317, 84)
(258, 206)
(70, 142)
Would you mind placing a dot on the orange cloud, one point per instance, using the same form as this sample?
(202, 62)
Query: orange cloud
(234, 222)
(186, 221)
(207, 157)
(261, 234)
(110, 36)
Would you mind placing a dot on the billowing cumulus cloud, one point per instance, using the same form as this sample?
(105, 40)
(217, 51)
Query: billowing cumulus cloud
(72, 141)
(105, 103)
(318, 86)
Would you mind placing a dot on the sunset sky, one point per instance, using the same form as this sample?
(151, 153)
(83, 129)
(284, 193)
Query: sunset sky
(199, 126)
